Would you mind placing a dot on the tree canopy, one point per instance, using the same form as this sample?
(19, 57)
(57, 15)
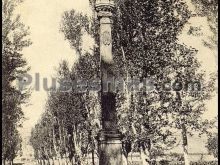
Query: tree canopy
(14, 40)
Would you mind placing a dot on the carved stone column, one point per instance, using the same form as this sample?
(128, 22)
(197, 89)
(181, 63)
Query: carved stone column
(110, 145)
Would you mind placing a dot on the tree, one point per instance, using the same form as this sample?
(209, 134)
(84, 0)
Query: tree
(191, 90)
(71, 121)
(209, 9)
(14, 39)
(145, 47)
(144, 43)
(152, 52)
(212, 145)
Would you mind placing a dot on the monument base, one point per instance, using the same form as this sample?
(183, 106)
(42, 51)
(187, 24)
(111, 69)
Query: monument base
(110, 148)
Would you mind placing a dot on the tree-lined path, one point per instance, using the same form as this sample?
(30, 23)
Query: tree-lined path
(128, 40)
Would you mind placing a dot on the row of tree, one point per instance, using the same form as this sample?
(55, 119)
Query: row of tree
(14, 39)
(144, 46)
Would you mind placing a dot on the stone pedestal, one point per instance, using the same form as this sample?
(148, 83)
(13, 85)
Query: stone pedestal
(110, 148)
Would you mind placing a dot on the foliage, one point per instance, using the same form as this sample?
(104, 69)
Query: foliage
(14, 39)
(144, 46)
(69, 126)
(212, 145)
(146, 34)
(209, 9)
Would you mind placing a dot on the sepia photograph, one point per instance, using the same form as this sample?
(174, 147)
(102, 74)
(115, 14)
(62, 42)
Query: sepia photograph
(109, 82)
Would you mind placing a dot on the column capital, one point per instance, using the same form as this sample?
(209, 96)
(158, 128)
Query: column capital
(104, 8)
(102, 13)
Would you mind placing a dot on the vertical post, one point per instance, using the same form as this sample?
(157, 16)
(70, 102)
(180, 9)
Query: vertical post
(110, 145)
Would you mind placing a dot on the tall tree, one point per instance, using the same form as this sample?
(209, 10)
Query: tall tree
(144, 39)
(145, 46)
(14, 39)
(71, 120)
(191, 91)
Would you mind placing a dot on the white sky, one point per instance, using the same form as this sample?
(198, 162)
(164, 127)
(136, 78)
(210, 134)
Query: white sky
(48, 48)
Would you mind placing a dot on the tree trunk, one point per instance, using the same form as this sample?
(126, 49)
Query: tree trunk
(56, 148)
(144, 157)
(71, 162)
(146, 150)
(65, 143)
(67, 161)
(52, 157)
(63, 161)
(76, 147)
(57, 161)
(185, 145)
(53, 161)
(93, 157)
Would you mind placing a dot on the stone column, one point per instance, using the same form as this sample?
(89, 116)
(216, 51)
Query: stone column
(110, 145)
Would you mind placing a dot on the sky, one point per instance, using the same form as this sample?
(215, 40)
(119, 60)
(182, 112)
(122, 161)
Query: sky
(49, 48)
